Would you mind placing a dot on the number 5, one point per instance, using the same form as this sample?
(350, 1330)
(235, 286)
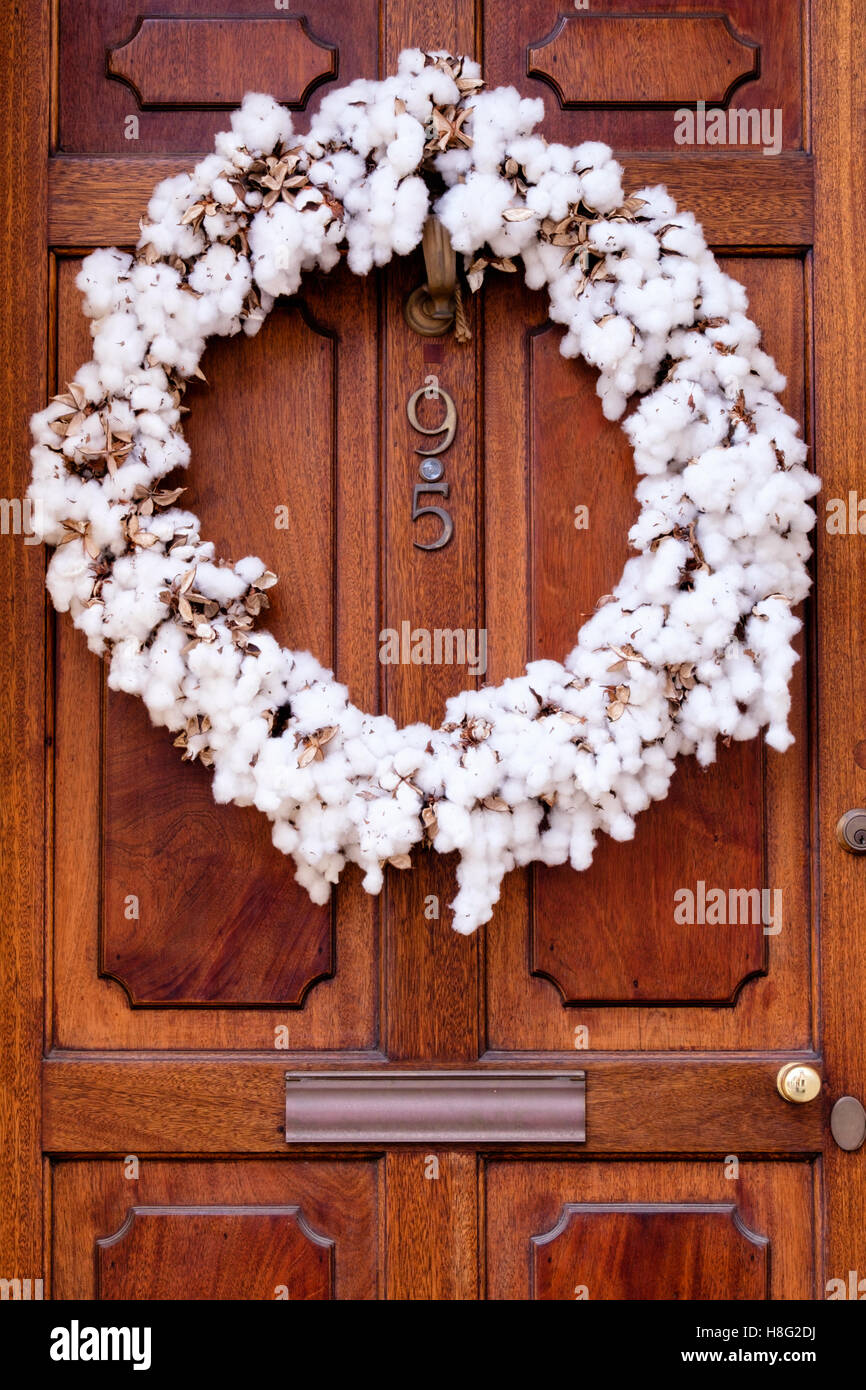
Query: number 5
(447, 524)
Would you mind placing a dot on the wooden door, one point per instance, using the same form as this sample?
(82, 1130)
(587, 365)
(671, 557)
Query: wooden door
(161, 972)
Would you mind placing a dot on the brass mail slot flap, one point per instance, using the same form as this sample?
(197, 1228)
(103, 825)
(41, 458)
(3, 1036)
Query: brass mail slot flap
(435, 1107)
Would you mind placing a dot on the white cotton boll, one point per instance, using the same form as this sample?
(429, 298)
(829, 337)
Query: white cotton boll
(40, 424)
(105, 518)
(541, 261)
(454, 827)
(276, 239)
(406, 150)
(685, 237)
(219, 224)
(410, 212)
(472, 211)
(128, 669)
(102, 281)
(317, 887)
(540, 200)
(119, 343)
(216, 268)
(453, 165)
(48, 506)
(319, 705)
(261, 124)
(204, 173)
(602, 187)
(651, 307)
(659, 205)
(498, 117)
(224, 193)
(159, 698)
(152, 399)
(604, 344)
(720, 294)
(340, 172)
(250, 568)
(431, 85)
(70, 576)
(534, 154)
(780, 737)
(219, 582)
(591, 154)
(89, 378)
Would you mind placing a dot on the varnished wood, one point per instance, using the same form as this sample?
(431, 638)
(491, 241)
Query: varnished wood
(840, 417)
(133, 819)
(643, 60)
(231, 989)
(258, 46)
(220, 918)
(430, 975)
(743, 1207)
(201, 1252)
(432, 1225)
(316, 1222)
(608, 934)
(24, 82)
(227, 1104)
(174, 62)
(650, 1251)
(741, 199)
(777, 28)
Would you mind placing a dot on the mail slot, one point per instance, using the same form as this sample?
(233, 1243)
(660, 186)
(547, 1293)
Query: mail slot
(436, 1107)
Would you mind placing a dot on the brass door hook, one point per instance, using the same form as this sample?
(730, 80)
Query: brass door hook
(431, 309)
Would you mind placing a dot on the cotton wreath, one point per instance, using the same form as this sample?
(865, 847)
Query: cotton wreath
(693, 645)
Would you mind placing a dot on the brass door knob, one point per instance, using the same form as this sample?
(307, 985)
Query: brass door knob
(798, 1083)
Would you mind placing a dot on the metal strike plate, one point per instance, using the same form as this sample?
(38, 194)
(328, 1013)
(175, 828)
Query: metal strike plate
(435, 1107)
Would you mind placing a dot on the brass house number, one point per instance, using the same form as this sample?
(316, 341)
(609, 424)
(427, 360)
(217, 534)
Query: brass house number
(432, 468)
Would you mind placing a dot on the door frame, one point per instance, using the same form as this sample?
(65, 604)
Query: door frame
(28, 66)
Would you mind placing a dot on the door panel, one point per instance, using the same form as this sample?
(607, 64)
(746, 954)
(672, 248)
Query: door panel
(176, 77)
(723, 45)
(254, 1230)
(220, 920)
(657, 1231)
(609, 935)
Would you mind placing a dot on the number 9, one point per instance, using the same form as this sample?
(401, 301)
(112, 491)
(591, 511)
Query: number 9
(449, 424)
